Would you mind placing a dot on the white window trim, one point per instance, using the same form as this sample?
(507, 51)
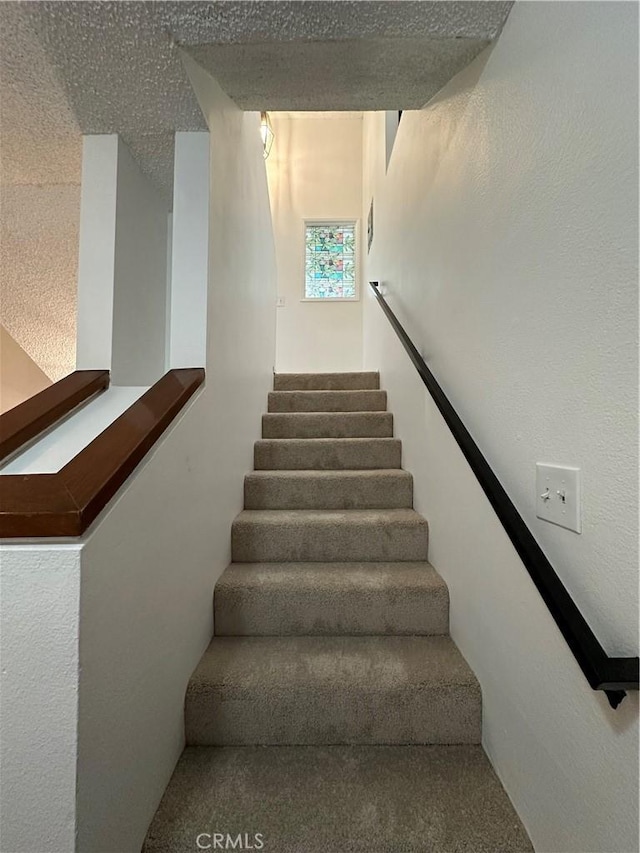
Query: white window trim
(333, 220)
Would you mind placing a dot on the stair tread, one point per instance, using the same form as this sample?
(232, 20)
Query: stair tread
(307, 798)
(327, 425)
(329, 516)
(333, 577)
(330, 474)
(328, 488)
(334, 416)
(327, 689)
(357, 441)
(327, 401)
(357, 599)
(327, 453)
(328, 393)
(372, 664)
(349, 380)
(332, 535)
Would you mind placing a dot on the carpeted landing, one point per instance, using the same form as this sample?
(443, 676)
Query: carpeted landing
(338, 799)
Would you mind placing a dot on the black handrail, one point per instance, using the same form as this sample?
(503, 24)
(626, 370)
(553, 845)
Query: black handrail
(612, 674)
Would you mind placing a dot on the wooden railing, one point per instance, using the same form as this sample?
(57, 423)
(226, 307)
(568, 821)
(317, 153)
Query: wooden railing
(65, 503)
(30, 419)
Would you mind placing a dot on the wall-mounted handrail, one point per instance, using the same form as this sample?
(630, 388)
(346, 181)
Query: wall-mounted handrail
(65, 503)
(26, 421)
(613, 675)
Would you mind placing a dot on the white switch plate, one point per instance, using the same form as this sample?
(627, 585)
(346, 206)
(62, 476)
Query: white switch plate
(280, 302)
(558, 495)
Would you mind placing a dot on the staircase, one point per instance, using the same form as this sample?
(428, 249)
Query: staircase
(331, 648)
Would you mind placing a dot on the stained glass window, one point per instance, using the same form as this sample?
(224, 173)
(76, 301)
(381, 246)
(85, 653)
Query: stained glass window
(330, 260)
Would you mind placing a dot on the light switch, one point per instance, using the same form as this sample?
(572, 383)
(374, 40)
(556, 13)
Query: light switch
(280, 302)
(558, 495)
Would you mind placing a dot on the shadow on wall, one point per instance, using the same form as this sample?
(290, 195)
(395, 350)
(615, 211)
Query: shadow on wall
(20, 376)
(38, 271)
(40, 176)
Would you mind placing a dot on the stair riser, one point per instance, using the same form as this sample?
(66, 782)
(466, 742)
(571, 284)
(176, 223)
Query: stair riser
(254, 543)
(327, 454)
(326, 381)
(242, 716)
(359, 611)
(327, 401)
(343, 492)
(322, 425)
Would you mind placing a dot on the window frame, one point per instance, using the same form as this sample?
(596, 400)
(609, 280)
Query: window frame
(337, 221)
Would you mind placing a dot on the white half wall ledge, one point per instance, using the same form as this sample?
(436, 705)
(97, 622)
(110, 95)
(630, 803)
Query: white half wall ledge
(51, 452)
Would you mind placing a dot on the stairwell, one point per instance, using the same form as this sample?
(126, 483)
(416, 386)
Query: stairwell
(332, 711)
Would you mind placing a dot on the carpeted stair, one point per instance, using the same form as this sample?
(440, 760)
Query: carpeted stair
(332, 712)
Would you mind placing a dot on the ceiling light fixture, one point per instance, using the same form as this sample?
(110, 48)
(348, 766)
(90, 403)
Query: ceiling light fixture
(266, 132)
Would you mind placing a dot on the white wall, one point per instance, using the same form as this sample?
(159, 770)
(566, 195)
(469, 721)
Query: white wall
(122, 275)
(96, 264)
(189, 251)
(315, 171)
(150, 565)
(506, 237)
(140, 275)
(39, 681)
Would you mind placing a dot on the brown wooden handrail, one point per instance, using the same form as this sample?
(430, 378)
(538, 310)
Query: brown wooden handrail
(65, 503)
(28, 420)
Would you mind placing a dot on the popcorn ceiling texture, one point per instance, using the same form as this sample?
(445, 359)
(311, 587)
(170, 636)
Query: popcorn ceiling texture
(228, 22)
(72, 68)
(355, 74)
(117, 67)
(39, 134)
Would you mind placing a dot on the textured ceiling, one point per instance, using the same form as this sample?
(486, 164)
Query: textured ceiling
(237, 22)
(102, 67)
(96, 66)
(110, 67)
(359, 74)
